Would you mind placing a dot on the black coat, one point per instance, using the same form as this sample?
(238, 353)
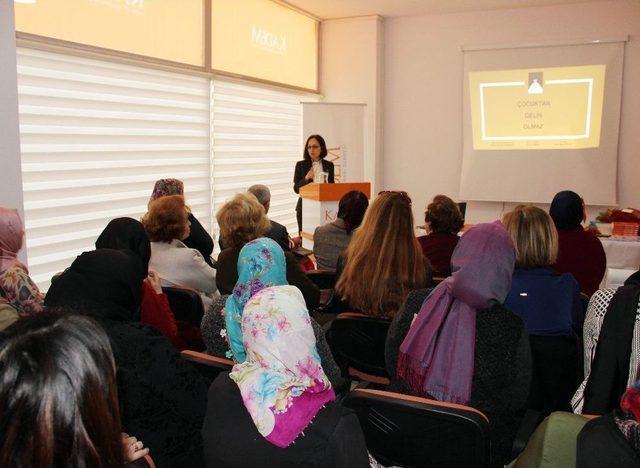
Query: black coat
(199, 239)
(333, 439)
(299, 180)
(502, 368)
(302, 167)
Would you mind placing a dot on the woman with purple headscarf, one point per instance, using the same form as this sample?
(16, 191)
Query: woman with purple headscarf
(457, 343)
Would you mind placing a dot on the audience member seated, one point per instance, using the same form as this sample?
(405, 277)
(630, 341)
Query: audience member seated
(16, 288)
(167, 224)
(242, 219)
(198, 238)
(579, 252)
(548, 302)
(614, 439)
(278, 408)
(443, 221)
(261, 264)
(276, 231)
(461, 345)
(383, 262)
(129, 234)
(611, 347)
(58, 396)
(162, 397)
(331, 239)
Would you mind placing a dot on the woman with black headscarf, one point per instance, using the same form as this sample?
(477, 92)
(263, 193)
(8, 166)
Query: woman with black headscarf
(579, 252)
(129, 234)
(162, 398)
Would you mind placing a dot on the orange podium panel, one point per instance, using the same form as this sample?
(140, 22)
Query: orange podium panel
(320, 205)
(333, 192)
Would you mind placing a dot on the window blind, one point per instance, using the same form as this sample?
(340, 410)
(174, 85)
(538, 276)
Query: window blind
(257, 139)
(95, 136)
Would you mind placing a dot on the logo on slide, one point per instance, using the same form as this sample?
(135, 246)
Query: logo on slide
(535, 83)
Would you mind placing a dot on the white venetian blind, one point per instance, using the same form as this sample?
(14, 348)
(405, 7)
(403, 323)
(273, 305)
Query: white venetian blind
(95, 137)
(257, 139)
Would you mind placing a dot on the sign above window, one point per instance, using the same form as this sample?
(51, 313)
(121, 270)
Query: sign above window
(164, 29)
(265, 40)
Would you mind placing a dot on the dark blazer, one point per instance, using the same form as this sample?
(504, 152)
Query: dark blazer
(302, 167)
(199, 239)
(278, 233)
(299, 180)
(333, 439)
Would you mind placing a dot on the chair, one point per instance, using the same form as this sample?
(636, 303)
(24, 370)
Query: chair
(358, 342)
(186, 304)
(208, 366)
(556, 373)
(405, 430)
(325, 280)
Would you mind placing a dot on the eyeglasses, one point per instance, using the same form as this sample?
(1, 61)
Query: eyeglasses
(402, 193)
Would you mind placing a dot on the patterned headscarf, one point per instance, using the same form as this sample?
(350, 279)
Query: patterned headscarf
(628, 418)
(282, 383)
(165, 187)
(436, 357)
(261, 264)
(11, 236)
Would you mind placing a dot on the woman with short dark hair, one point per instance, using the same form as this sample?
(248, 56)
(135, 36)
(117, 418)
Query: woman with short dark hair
(443, 220)
(58, 396)
(330, 240)
(312, 168)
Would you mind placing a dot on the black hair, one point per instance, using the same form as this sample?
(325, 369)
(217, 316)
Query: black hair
(58, 394)
(323, 147)
(351, 209)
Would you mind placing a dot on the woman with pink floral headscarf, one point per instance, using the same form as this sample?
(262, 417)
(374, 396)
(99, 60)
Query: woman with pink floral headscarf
(278, 407)
(17, 290)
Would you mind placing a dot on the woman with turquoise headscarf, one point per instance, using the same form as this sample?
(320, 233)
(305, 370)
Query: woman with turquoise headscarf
(261, 264)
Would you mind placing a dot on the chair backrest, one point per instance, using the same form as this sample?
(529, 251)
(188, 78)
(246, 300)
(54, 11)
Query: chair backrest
(411, 431)
(357, 342)
(209, 366)
(556, 372)
(325, 280)
(186, 304)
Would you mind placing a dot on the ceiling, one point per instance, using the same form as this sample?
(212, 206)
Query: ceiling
(327, 9)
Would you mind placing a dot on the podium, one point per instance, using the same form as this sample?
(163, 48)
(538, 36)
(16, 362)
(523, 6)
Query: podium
(320, 205)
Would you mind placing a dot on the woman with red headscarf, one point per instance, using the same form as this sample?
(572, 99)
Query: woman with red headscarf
(16, 288)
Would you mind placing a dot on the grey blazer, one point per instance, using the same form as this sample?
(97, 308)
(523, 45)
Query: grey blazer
(329, 241)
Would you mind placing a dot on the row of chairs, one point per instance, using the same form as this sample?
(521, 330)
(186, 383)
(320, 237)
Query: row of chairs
(403, 430)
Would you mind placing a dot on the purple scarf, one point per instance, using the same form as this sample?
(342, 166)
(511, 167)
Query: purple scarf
(436, 357)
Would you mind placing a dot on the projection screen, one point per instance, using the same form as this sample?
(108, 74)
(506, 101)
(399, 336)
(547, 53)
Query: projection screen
(537, 120)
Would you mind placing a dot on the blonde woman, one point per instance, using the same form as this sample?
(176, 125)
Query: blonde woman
(243, 219)
(384, 261)
(548, 302)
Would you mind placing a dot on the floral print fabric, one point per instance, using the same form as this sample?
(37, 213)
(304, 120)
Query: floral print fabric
(166, 187)
(20, 292)
(282, 383)
(261, 264)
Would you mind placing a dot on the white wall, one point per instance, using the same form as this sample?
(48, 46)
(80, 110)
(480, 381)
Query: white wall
(423, 91)
(10, 173)
(352, 71)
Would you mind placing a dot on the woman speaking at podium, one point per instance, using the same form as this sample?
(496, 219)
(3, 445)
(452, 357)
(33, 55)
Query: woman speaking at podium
(312, 168)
